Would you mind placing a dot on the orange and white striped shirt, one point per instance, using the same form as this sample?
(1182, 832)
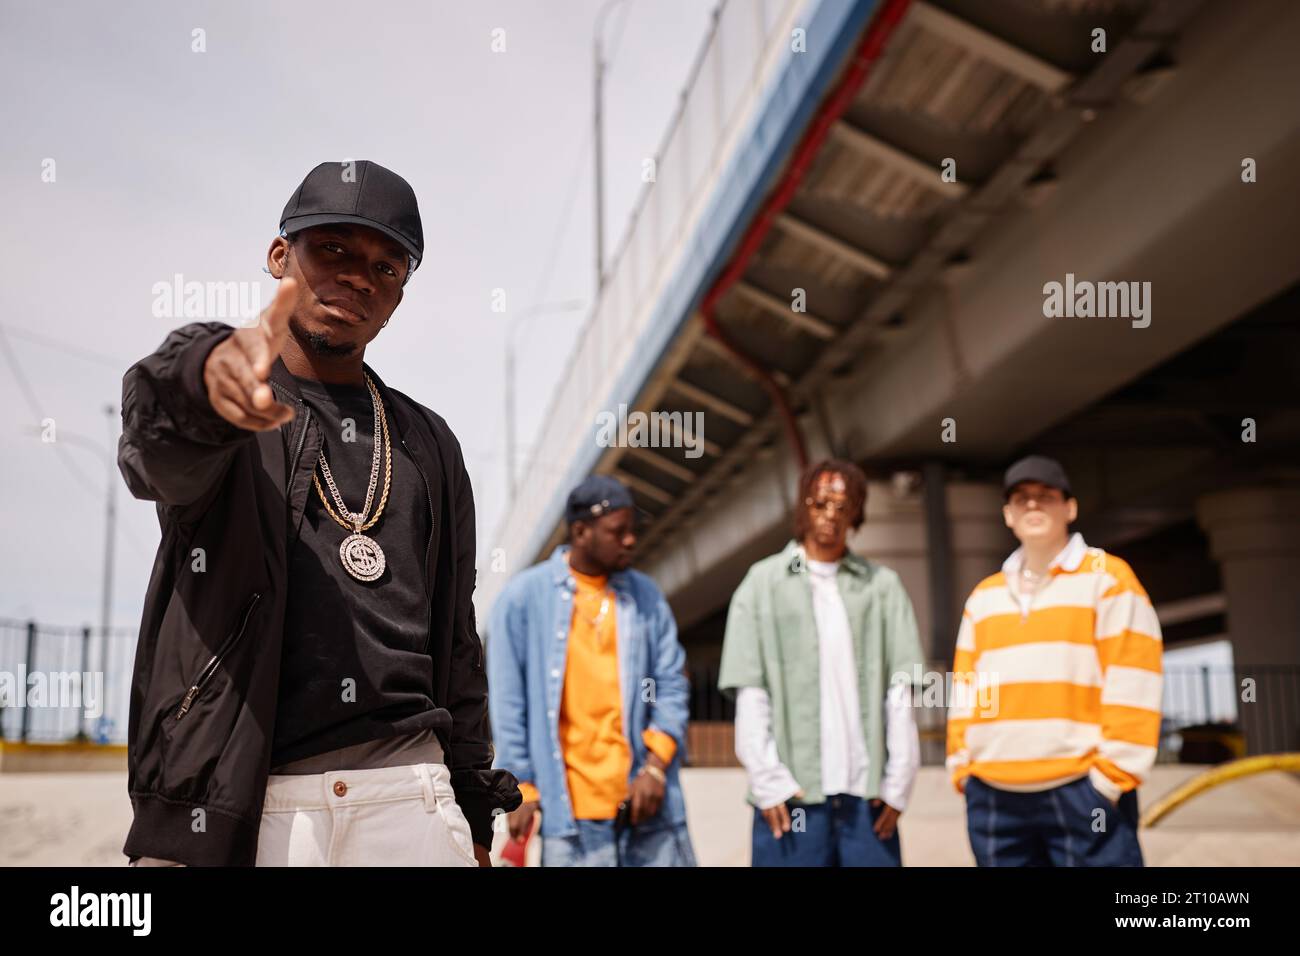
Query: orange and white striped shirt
(1064, 682)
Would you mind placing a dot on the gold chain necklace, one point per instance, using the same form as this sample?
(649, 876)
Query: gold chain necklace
(361, 555)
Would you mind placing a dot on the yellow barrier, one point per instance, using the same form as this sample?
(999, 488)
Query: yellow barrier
(1224, 773)
(62, 746)
(72, 756)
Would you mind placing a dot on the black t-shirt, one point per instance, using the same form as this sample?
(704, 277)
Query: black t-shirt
(355, 666)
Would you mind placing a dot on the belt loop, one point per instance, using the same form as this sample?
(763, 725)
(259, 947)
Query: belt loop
(426, 784)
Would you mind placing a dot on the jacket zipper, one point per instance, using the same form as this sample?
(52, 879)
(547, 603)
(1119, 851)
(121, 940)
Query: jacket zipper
(210, 667)
(302, 435)
(302, 438)
(433, 521)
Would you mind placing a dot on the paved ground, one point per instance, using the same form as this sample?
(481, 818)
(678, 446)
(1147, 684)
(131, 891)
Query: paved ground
(49, 819)
(1253, 822)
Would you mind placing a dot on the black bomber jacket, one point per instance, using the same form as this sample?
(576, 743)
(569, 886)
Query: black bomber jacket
(204, 687)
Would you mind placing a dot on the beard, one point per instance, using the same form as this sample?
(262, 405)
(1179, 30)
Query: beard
(320, 343)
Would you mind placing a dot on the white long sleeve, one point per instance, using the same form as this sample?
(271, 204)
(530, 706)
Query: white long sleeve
(770, 781)
(902, 747)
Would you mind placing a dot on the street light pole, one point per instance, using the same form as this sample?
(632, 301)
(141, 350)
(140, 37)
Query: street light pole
(599, 75)
(510, 415)
(110, 520)
(599, 71)
(569, 305)
(110, 530)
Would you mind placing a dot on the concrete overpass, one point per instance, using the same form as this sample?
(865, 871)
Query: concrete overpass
(827, 289)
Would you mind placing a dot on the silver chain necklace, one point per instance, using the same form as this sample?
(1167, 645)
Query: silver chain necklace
(600, 617)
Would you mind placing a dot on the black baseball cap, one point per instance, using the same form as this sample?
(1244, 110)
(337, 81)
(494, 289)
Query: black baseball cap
(361, 193)
(595, 496)
(1037, 468)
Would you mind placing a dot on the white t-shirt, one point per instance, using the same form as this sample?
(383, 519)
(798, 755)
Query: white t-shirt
(844, 750)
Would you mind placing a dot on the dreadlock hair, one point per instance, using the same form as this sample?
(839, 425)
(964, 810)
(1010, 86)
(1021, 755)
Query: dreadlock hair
(855, 487)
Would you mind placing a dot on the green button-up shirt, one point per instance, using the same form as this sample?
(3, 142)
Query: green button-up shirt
(771, 642)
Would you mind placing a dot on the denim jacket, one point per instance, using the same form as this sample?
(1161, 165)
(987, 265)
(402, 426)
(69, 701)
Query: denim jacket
(527, 640)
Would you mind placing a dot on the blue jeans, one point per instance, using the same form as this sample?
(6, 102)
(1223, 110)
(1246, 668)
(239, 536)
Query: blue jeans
(653, 844)
(1070, 825)
(838, 832)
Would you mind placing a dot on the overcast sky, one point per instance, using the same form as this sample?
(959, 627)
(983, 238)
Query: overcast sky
(169, 161)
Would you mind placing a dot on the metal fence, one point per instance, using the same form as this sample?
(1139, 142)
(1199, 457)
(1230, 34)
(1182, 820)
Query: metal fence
(1260, 704)
(1207, 714)
(64, 683)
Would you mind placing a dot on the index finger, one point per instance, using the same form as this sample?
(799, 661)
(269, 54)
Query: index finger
(274, 323)
(775, 823)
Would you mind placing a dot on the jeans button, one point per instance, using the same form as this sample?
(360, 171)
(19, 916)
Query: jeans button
(340, 789)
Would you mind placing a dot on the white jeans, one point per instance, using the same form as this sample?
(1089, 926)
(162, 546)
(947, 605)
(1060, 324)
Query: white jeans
(391, 816)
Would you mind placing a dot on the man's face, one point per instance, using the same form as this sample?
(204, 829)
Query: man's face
(349, 282)
(828, 511)
(1036, 512)
(608, 540)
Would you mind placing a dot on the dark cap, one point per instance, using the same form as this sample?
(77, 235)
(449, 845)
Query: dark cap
(595, 496)
(1037, 468)
(362, 193)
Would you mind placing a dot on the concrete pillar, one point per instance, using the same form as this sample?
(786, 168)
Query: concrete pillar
(1255, 536)
(894, 535)
(981, 540)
